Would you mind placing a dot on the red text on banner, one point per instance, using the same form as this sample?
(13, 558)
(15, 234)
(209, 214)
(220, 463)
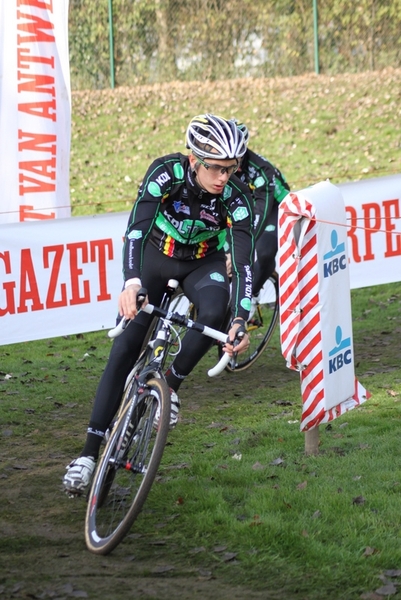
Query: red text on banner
(20, 291)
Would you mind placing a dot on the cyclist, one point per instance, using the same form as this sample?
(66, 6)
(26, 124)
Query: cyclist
(177, 229)
(269, 187)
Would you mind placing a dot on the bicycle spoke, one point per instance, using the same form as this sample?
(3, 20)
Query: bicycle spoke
(127, 469)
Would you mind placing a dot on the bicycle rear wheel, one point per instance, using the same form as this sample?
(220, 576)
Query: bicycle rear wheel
(261, 324)
(127, 468)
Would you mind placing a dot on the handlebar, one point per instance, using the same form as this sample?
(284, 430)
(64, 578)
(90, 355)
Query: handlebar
(178, 319)
(118, 329)
(121, 325)
(220, 366)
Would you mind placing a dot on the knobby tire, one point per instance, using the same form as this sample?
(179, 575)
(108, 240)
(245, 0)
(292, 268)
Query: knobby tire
(127, 468)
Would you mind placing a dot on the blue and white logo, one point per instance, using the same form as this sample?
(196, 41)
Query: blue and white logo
(335, 259)
(341, 354)
(181, 207)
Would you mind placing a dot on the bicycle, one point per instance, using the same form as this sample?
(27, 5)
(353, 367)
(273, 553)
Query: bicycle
(261, 323)
(133, 452)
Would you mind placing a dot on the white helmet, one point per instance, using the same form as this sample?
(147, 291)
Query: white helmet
(210, 136)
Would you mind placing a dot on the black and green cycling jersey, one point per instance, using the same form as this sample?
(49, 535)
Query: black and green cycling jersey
(267, 184)
(183, 221)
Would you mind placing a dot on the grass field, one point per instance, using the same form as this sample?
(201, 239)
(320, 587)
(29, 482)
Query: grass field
(312, 127)
(238, 511)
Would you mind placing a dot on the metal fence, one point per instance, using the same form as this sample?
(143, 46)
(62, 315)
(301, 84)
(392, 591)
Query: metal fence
(131, 42)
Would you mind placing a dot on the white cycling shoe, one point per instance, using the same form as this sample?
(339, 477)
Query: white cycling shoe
(79, 474)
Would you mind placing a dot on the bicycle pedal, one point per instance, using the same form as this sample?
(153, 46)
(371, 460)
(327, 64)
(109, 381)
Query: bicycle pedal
(76, 494)
(254, 323)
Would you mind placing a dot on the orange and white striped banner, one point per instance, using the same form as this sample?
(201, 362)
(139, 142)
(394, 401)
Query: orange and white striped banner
(315, 305)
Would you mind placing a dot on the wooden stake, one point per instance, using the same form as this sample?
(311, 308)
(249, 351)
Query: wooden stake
(312, 441)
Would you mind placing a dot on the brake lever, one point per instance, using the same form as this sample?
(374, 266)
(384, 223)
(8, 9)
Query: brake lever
(238, 338)
(140, 297)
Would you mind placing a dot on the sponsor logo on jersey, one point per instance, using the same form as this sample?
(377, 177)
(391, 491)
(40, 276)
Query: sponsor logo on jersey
(154, 189)
(248, 282)
(185, 228)
(178, 171)
(181, 207)
(217, 277)
(240, 213)
(207, 217)
(135, 234)
(227, 192)
(259, 181)
(211, 206)
(163, 178)
(246, 304)
(252, 172)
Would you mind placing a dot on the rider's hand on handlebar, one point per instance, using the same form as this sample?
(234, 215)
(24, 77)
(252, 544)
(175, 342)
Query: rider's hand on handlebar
(127, 305)
(238, 326)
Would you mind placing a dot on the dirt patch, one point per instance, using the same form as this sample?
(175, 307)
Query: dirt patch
(43, 553)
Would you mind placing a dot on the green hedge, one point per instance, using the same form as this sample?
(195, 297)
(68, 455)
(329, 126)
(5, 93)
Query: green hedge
(166, 40)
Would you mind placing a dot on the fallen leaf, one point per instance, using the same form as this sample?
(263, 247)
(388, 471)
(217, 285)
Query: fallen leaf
(219, 548)
(229, 556)
(197, 550)
(67, 588)
(282, 402)
(205, 574)
(163, 569)
(370, 551)
(387, 590)
(277, 462)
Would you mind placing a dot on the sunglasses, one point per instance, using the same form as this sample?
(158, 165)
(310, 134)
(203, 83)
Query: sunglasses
(215, 169)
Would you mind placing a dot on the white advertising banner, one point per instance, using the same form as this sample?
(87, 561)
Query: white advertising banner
(373, 208)
(35, 110)
(60, 277)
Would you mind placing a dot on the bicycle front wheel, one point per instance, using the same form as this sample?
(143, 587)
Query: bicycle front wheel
(127, 468)
(261, 324)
